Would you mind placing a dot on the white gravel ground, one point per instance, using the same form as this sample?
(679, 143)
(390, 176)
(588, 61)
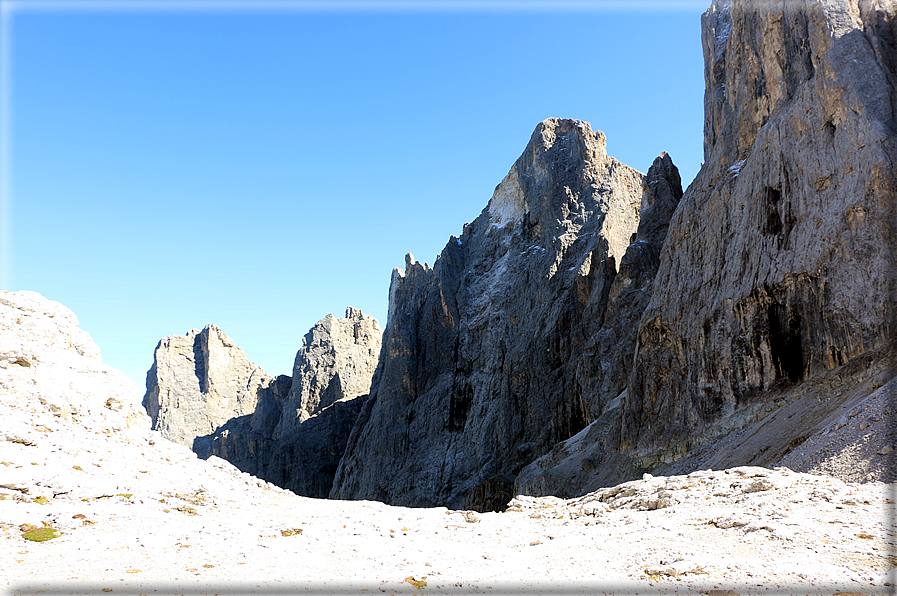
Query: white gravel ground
(157, 519)
(137, 514)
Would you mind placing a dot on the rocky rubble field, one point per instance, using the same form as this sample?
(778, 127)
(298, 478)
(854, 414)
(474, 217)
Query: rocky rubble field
(122, 510)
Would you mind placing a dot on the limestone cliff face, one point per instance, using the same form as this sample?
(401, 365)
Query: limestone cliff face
(295, 438)
(197, 383)
(336, 362)
(203, 392)
(606, 364)
(772, 314)
(478, 368)
(779, 263)
(590, 459)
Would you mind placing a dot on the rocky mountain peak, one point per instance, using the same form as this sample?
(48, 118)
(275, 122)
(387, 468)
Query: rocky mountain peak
(197, 383)
(203, 392)
(336, 362)
(471, 382)
(663, 190)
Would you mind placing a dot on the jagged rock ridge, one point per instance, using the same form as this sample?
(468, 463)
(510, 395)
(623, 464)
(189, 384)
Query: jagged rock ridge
(290, 431)
(477, 375)
(766, 289)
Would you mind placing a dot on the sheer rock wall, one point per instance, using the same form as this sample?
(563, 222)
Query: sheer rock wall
(779, 263)
(478, 371)
(772, 316)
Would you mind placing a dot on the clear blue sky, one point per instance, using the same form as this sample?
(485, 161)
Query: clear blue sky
(169, 165)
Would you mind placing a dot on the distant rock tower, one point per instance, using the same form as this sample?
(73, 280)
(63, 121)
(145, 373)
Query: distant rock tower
(203, 392)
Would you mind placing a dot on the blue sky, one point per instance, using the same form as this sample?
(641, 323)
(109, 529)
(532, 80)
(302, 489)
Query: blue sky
(169, 165)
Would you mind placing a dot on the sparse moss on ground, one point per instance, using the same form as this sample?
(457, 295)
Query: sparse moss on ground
(39, 534)
(196, 498)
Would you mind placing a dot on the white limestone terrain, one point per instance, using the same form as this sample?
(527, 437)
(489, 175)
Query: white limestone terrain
(133, 513)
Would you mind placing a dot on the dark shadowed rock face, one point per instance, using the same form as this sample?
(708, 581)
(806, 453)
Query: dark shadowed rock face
(589, 459)
(203, 392)
(478, 370)
(605, 366)
(779, 263)
(303, 459)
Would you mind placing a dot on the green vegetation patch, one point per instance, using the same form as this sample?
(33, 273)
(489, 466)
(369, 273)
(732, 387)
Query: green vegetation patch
(42, 534)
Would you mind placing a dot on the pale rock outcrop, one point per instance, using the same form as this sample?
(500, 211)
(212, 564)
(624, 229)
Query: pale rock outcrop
(200, 381)
(297, 435)
(477, 370)
(336, 362)
(203, 392)
(47, 363)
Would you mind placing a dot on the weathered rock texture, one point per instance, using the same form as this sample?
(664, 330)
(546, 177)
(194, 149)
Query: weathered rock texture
(336, 362)
(288, 431)
(49, 364)
(590, 458)
(296, 438)
(478, 373)
(198, 382)
(604, 369)
(779, 264)
(772, 315)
